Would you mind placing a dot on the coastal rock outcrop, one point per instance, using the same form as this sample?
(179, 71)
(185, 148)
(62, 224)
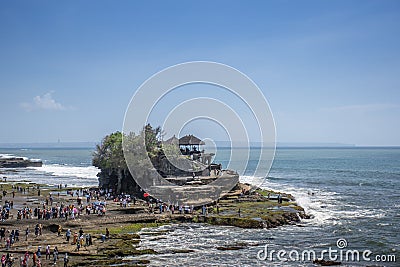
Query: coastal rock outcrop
(19, 162)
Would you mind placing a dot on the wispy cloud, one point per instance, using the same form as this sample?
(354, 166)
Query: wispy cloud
(43, 102)
(363, 107)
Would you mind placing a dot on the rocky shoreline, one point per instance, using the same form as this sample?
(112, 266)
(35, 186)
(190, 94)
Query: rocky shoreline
(240, 208)
(19, 162)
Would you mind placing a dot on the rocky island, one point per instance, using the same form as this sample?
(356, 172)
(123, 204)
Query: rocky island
(19, 162)
(243, 206)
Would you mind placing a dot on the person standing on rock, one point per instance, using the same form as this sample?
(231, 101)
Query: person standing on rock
(22, 262)
(16, 235)
(66, 260)
(2, 233)
(8, 243)
(39, 253)
(37, 230)
(55, 255)
(78, 245)
(48, 252)
(81, 240)
(26, 233)
(75, 238)
(87, 240)
(203, 209)
(34, 258)
(68, 234)
(107, 233)
(80, 232)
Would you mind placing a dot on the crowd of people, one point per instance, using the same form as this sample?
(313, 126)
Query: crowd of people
(48, 211)
(11, 237)
(49, 208)
(52, 255)
(85, 203)
(158, 206)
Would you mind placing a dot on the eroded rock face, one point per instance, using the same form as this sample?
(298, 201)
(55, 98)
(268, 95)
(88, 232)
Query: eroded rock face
(53, 227)
(119, 181)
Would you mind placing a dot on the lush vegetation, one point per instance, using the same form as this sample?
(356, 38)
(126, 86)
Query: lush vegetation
(109, 155)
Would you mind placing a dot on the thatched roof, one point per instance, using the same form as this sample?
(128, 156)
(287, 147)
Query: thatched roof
(172, 141)
(190, 140)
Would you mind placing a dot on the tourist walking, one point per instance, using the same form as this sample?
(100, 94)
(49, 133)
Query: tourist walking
(204, 210)
(55, 255)
(39, 253)
(66, 259)
(48, 252)
(107, 233)
(75, 238)
(34, 259)
(68, 234)
(37, 230)
(80, 232)
(279, 199)
(26, 233)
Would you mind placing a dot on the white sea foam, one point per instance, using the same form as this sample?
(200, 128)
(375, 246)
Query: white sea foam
(320, 205)
(11, 156)
(70, 171)
(363, 213)
(6, 156)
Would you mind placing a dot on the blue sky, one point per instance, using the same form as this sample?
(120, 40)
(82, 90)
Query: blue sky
(329, 69)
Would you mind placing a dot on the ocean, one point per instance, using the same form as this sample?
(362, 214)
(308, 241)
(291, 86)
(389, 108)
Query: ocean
(70, 166)
(352, 195)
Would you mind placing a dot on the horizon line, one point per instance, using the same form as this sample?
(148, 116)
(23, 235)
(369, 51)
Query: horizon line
(92, 144)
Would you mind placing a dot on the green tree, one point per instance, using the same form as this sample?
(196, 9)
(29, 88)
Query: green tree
(152, 139)
(109, 155)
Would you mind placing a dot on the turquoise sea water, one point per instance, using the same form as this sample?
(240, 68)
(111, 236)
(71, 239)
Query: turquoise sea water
(351, 193)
